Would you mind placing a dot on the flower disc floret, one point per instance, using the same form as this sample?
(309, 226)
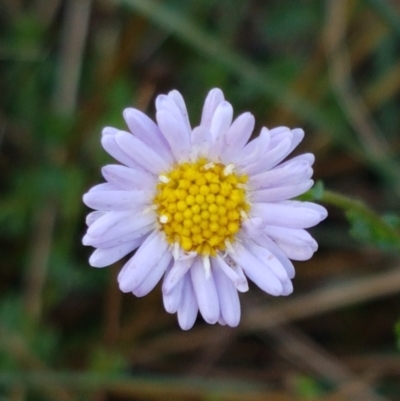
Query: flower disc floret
(200, 206)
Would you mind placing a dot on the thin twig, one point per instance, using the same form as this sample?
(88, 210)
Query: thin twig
(73, 43)
(298, 347)
(38, 257)
(154, 388)
(325, 300)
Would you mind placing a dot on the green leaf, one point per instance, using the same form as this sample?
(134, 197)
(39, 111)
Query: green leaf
(364, 230)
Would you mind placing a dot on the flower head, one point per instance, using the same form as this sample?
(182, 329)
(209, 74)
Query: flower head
(204, 208)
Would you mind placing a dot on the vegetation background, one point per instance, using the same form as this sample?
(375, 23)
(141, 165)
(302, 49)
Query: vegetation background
(69, 67)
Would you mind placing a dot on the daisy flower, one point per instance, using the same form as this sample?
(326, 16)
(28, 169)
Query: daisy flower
(205, 208)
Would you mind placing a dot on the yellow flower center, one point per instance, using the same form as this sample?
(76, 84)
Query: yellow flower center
(200, 205)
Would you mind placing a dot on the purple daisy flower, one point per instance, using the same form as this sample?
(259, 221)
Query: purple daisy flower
(204, 208)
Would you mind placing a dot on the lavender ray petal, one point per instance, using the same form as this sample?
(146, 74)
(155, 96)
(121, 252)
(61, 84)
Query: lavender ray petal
(104, 186)
(167, 103)
(291, 236)
(176, 273)
(171, 300)
(145, 129)
(187, 310)
(139, 266)
(268, 258)
(109, 131)
(254, 150)
(237, 136)
(206, 293)
(264, 241)
(141, 153)
(298, 136)
(118, 200)
(154, 276)
(228, 298)
(294, 252)
(103, 257)
(138, 235)
(222, 120)
(180, 102)
(111, 147)
(201, 143)
(287, 287)
(93, 216)
(117, 224)
(293, 171)
(213, 99)
(176, 135)
(127, 178)
(270, 158)
(256, 271)
(280, 193)
(290, 214)
(232, 271)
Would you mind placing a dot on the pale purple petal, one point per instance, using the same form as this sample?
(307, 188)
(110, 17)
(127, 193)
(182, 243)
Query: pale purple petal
(109, 131)
(296, 252)
(271, 157)
(278, 134)
(180, 102)
(287, 287)
(291, 236)
(220, 124)
(105, 186)
(167, 103)
(201, 143)
(256, 271)
(154, 276)
(298, 135)
(142, 154)
(206, 293)
(291, 214)
(213, 99)
(176, 135)
(228, 298)
(113, 240)
(280, 193)
(176, 273)
(171, 299)
(117, 224)
(102, 257)
(293, 171)
(237, 136)
(254, 150)
(232, 271)
(113, 149)
(93, 216)
(127, 178)
(114, 221)
(266, 242)
(139, 266)
(222, 120)
(187, 310)
(268, 258)
(118, 200)
(148, 132)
